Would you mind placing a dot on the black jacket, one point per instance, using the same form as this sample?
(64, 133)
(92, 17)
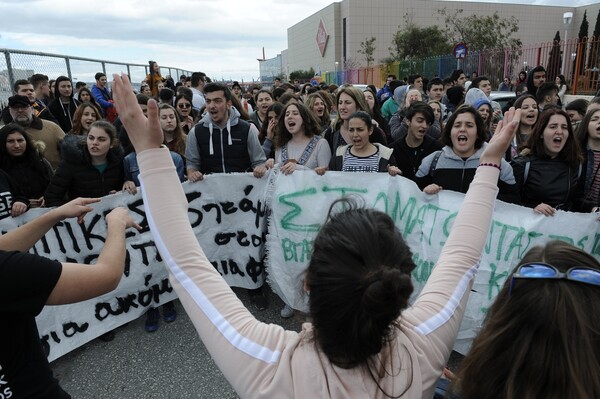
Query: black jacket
(77, 177)
(550, 181)
(64, 113)
(409, 159)
(32, 179)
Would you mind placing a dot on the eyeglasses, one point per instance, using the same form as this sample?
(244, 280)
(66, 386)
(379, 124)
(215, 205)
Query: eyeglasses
(182, 105)
(585, 275)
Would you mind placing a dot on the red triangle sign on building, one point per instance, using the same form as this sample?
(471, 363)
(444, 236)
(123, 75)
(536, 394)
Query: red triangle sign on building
(322, 37)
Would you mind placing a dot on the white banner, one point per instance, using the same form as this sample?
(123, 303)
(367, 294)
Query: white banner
(227, 213)
(301, 202)
(228, 216)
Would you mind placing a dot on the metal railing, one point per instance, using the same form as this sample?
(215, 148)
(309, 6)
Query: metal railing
(19, 64)
(578, 60)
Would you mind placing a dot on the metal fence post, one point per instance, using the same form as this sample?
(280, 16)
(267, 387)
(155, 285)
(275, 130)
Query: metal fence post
(11, 76)
(68, 62)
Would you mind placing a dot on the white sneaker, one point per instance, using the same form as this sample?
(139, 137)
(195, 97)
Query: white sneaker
(286, 312)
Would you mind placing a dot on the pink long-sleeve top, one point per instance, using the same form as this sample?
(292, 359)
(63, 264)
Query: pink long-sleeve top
(264, 360)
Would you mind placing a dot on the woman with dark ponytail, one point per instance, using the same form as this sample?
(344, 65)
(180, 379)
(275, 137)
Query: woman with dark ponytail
(370, 268)
(365, 341)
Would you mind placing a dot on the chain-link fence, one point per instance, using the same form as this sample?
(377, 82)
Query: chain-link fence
(18, 64)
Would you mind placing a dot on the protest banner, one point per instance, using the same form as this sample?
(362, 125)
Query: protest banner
(301, 201)
(226, 213)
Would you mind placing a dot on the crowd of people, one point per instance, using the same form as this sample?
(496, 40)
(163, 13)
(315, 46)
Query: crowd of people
(61, 143)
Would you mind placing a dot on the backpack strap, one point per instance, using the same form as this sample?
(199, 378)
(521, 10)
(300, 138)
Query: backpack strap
(434, 162)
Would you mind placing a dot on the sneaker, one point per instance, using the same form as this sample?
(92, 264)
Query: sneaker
(107, 337)
(152, 316)
(258, 299)
(169, 312)
(286, 312)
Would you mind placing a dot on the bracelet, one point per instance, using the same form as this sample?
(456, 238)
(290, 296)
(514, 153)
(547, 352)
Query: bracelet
(495, 165)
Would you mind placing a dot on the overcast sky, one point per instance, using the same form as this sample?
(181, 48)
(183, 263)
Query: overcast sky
(222, 38)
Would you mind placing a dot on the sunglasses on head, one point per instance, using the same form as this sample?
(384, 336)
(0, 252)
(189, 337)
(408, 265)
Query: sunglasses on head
(183, 105)
(538, 270)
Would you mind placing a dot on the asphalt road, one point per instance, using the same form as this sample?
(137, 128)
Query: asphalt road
(169, 363)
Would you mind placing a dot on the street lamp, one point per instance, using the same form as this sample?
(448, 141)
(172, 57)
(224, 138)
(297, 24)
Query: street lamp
(567, 18)
(336, 72)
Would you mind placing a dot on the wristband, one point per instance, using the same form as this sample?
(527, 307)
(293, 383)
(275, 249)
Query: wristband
(495, 165)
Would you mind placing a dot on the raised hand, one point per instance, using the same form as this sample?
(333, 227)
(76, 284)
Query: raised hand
(144, 133)
(502, 138)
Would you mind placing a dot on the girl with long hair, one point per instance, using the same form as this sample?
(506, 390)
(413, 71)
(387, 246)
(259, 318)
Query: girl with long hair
(298, 145)
(349, 99)
(375, 111)
(90, 169)
(85, 96)
(588, 135)
(547, 172)
(24, 162)
(263, 100)
(438, 112)
(318, 107)
(529, 116)
(187, 115)
(175, 139)
(154, 78)
(540, 337)
(85, 114)
(561, 83)
(268, 131)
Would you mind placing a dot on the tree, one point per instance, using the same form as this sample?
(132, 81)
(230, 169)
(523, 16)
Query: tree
(300, 74)
(415, 42)
(583, 32)
(480, 32)
(367, 48)
(555, 58)
(594, 59)
(351, 63)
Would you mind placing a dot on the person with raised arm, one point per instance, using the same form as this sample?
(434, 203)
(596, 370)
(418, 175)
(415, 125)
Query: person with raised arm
(365, 340)
(29, 281)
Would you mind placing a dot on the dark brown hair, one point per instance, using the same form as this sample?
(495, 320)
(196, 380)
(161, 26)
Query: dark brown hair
(77, 128)
(571, 153)
(309, 124)
(542, 340)
(359, 277)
